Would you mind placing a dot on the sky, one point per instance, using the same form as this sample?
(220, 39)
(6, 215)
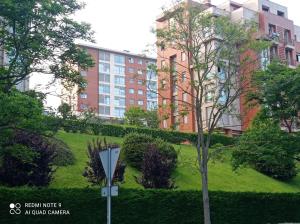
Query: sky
(126, 24)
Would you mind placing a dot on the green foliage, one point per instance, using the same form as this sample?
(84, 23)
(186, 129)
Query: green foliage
(139, 206)
(267, 149)
(54, 44)
(65, 111)
(139, 117)
(17, 162)
(20, 111)
(277, 90)
(135, 145)
(63, 154)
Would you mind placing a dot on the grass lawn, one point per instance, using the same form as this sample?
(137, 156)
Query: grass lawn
(186, 176)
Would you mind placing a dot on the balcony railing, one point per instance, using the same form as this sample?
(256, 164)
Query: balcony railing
(288, 41)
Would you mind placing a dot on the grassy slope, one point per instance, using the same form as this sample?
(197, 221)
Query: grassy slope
(221, 176)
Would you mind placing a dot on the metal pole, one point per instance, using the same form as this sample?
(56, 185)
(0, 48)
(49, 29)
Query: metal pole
(109, 188)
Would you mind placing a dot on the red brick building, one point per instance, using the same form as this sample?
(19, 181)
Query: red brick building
(118, 80)
(274, 26)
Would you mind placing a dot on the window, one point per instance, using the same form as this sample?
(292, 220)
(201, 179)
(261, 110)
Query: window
(272, 29)
(103, 99)
(140, 72)
(119, 80)
(104, 77)
(151, 95)
(119, 102)
(221, 73)
(185, 119)
(104, 68)
(140, 102)
(104, 56)
(131, 91)
(183, 56)
(273, 52)
(287, 37)
(119, 112)
(298, 57)
(119, 70)
(184, 97)
(83, 95)
(265, 8)
(165, 124)
(104, 89)
(83, 73)
(280, 13)
(131, 102)
(131, 70)
(140, 92)
(289, 57)
(183, 76)
(151, 105)
(140, 82)
(264, 59)
(83, 106)
(119, 59)
(104, 110)
(131, 60)
(152, 85)
(131, 81)
(164, 101)
(140, 61)
(120, 91)
(209, 93)
(151, 75)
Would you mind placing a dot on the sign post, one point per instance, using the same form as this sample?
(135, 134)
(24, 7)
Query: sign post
(109, 159)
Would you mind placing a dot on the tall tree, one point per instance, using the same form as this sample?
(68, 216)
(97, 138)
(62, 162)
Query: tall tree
(39, 36)
(209, 42)
(277, 91)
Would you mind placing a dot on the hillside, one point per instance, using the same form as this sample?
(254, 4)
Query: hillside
(186, 176)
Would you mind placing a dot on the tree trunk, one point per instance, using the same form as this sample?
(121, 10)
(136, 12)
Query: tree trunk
(205, 196)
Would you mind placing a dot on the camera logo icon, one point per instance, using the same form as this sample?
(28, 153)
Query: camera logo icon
(15, 208)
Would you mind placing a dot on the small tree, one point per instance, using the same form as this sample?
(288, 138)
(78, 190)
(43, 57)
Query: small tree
(209, 42)
(267, 149)
(141, 118)
(65, 111)
(277, 91)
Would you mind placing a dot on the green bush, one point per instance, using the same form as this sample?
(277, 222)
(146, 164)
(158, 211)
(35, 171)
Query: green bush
(268, 149)
(134, 147)
(63, 154)
(136, 144)
(154, 206)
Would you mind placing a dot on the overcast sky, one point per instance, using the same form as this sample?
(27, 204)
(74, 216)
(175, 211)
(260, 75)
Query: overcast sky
(126, 24)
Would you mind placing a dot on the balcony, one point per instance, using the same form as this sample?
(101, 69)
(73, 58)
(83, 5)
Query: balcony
(274, 37)
(289, 43)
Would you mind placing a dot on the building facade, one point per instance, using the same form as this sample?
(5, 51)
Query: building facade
(274, 26)
(119, 80)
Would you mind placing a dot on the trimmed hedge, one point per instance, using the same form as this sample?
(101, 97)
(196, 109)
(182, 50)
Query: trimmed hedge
(175, 137)
(153, 206)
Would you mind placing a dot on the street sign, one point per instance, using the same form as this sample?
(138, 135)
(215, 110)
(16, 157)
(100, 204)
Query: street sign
(113, 161)
(109, 159)
(113, 191)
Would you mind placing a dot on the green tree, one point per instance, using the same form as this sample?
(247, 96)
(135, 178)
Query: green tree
(267, 149)
(141, 118)
(65, 111)
(209, 42)
(39, 36)
(277, 91)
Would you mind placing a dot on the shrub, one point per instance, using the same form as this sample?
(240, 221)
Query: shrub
(134, 147)
(17, 162)
(42, 170)
(268, 150)
(94, 171)
(156, 169)
(63, 154)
